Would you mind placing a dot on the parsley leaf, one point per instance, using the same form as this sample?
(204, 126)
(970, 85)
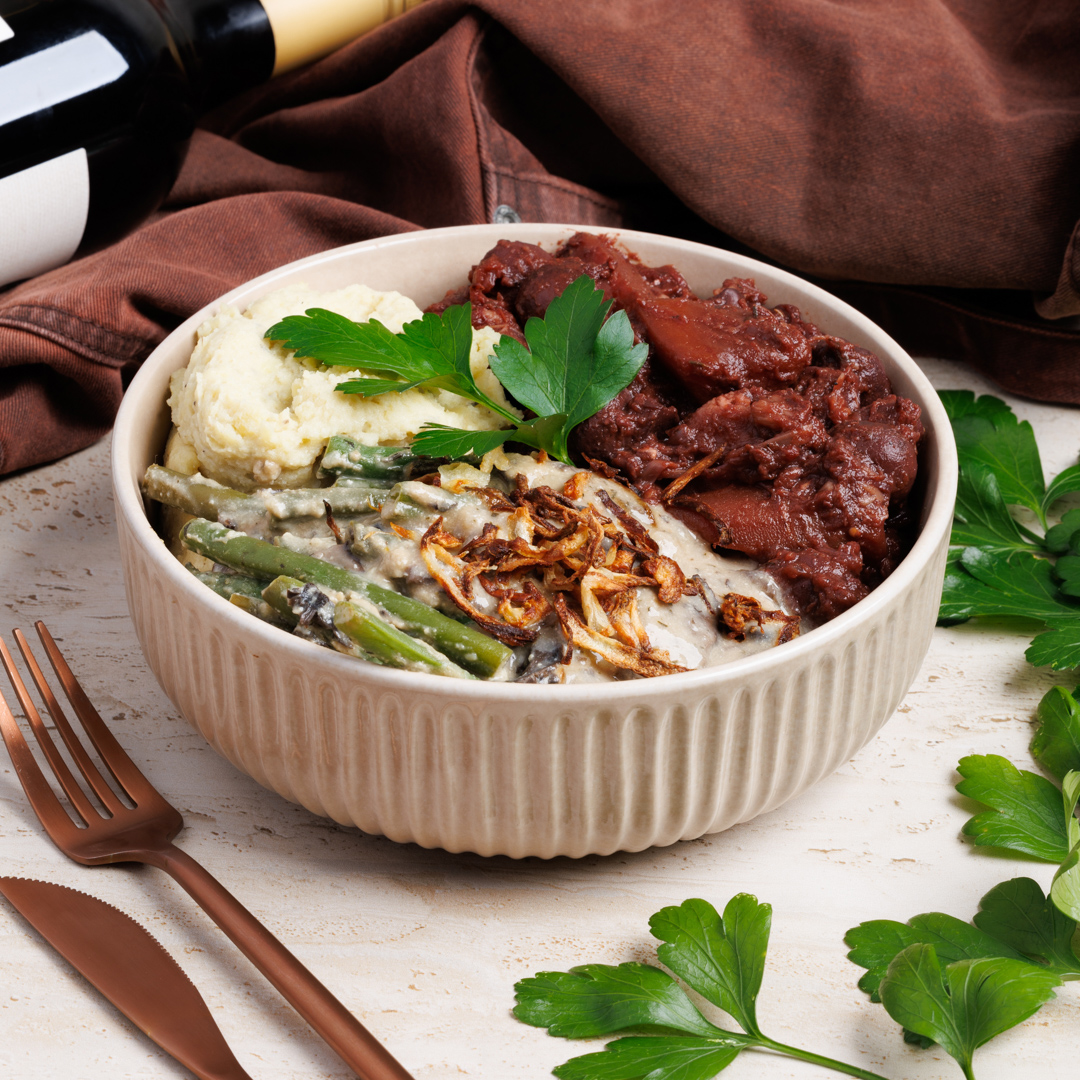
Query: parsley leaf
(578, 359)
(1060, 648)
(981, 517)
(961, 403)
(1065, 483)
(1025, 814)
(440, 441)
(1067, 570)
(1018, 915)
(658, 1059)
(576, 362)
(597, 999)
(574, 365)
(1065, 890)
(1065, 535)
(1017, 585)
(965, 1005)
(1015, 921)
(723, 959)
(437, 440)
(1008, 449)
(433, 352)
(875, 944)
(999, 567)
(1056, 744)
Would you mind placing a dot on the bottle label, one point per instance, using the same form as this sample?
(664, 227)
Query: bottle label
(43, 213)
(57, 74)
(5, 30)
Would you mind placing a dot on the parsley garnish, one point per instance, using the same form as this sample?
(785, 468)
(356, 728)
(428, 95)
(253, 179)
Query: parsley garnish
(964, 1004)
(578, 359)
(997, 565)
(432, 352)
(1028, 813)
(945, 981)
(722, 957)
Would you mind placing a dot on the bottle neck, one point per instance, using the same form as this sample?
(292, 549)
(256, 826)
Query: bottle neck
(304, 30)
(225, 46)
(228, 46)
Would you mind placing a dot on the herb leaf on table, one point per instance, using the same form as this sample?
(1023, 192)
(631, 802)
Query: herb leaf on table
(1006, 448)
(1020, 916)
(657, 1059)
(982, 518)
(875, 944)
(1065, 890)
(965, 1004)
(1056, 743)
(1015, 921)
(597, 999)
(998, 566)
(722, 957)
(1026, 812)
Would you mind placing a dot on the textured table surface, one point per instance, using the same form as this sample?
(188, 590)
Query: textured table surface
(425, 947)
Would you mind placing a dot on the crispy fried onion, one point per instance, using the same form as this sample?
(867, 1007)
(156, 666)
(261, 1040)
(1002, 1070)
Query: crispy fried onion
(739, 612)
(643, 661)
(552, 554)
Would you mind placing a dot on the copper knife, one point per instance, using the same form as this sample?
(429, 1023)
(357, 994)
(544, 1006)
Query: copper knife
(131, 969)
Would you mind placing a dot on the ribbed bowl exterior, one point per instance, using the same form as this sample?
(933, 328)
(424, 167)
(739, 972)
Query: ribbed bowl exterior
(526, 770)
(530, 778)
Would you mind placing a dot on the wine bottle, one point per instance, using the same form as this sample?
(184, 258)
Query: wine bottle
(99, 98)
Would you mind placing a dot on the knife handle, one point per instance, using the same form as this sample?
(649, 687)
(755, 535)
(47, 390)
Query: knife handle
(356, 1046)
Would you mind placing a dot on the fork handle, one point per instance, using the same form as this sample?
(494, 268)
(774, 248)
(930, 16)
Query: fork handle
(358, 1048)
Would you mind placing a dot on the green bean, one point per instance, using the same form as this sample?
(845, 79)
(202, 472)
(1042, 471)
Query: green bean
(347, 457)
(208, 499)
(467, 646)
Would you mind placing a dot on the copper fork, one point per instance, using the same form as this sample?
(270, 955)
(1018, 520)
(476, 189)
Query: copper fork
(144, 832)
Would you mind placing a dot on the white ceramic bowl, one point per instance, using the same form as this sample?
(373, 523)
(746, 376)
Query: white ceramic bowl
(499, 768)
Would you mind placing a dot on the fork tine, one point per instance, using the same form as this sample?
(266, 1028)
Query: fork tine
(78, 752)
(123, 769)
(46, 805)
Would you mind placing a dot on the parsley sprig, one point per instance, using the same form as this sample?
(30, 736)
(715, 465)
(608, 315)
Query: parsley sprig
(999, 566)
(722, 957)
(433, 352)
(578, 359)
(1022, 942)
(945, 981)
(1026, 812)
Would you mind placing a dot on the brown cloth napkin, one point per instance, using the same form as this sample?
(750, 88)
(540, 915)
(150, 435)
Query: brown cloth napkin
(921, 159)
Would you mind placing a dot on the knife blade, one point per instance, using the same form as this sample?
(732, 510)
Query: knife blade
(131, 969)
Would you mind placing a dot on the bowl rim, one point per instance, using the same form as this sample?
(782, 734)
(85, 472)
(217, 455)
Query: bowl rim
(936, 525)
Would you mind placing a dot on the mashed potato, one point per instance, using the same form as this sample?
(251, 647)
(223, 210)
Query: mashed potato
(252, 414)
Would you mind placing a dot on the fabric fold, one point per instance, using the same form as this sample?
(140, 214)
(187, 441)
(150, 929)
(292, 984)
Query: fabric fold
(919, 160)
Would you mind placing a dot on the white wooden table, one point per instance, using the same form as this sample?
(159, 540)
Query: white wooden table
(425, 947)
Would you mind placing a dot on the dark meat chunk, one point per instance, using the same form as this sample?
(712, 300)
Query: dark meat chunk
(821, 582)
(626, 432)
(507, 265)
(486, 311)
(543, 285)
(724, 420)
(812, 456)
(708, 347)
(758, 522)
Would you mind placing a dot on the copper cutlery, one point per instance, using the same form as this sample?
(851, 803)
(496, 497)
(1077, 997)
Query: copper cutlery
(143, 833)
(131, 969)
